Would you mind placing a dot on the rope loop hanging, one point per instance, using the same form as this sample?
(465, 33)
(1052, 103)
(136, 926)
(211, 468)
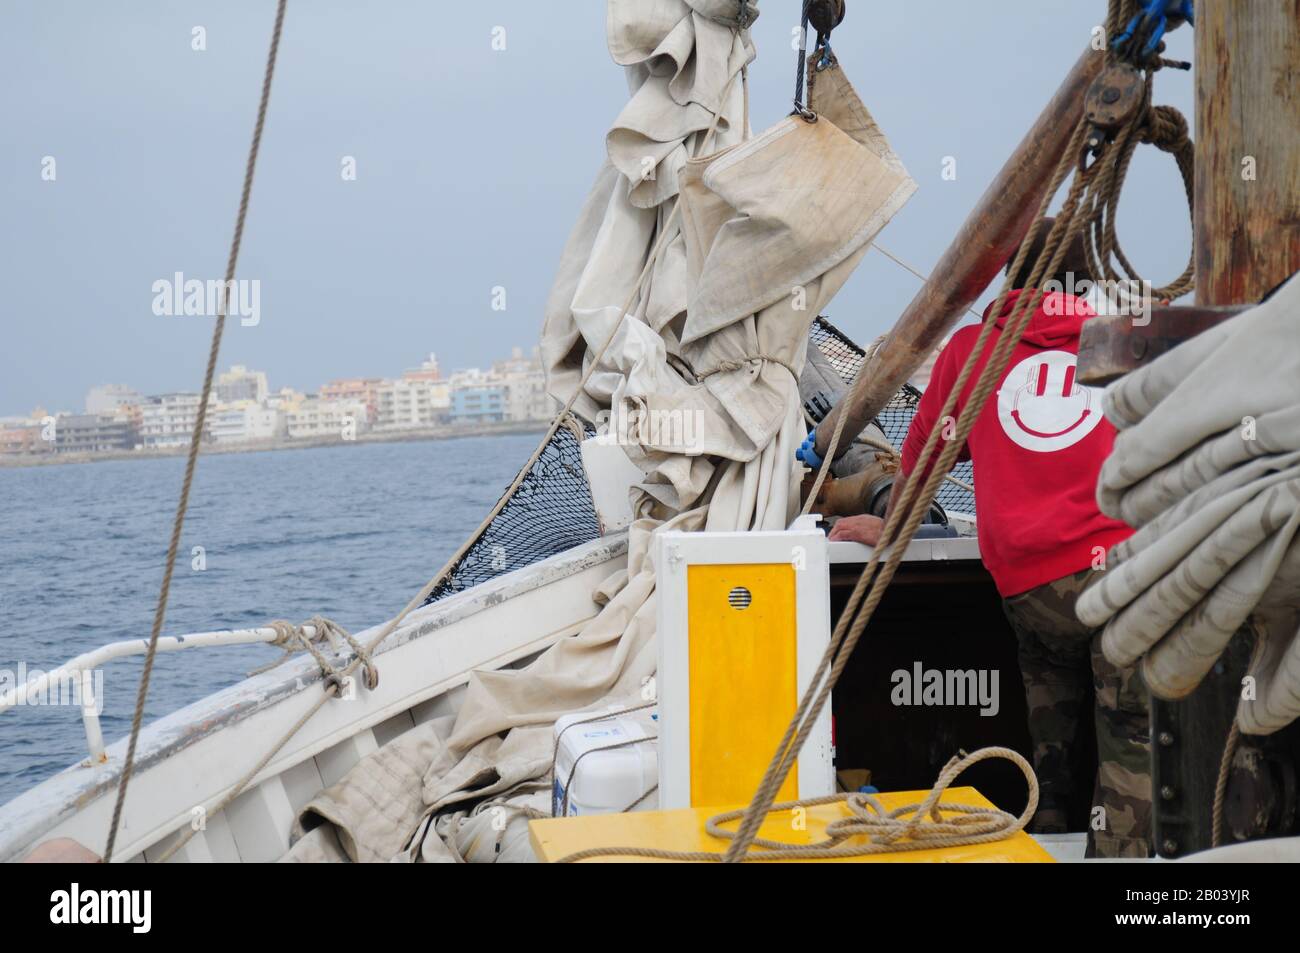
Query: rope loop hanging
(1119, 109)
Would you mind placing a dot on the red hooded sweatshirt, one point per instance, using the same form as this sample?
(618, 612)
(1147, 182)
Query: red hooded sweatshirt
(1037, 448)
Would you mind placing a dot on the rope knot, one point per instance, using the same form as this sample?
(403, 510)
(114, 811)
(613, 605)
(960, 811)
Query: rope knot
(294, 638)
(1165, 128)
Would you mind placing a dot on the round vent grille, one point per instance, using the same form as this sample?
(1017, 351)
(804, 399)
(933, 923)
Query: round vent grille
(739, 598)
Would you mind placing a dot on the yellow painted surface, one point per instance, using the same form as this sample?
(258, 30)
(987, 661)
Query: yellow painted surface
(743, 672)
(554, 838)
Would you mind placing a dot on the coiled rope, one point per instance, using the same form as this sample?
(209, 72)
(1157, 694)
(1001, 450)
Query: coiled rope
(919, 826)
(1165, 128)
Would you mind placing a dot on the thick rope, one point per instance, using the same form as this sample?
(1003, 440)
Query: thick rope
(914, 505)
(1165, 128)
(666, 233)
(1217, 808)
(726, 367)
(910, 508)
(1101, 178)
(1221, 784)
(920, 826)
(294, 638)
(196, 438)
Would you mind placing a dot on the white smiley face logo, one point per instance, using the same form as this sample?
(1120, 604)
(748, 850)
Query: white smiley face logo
(1042, 408)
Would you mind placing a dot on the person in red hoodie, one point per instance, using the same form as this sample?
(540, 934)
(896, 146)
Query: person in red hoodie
(1037, 448)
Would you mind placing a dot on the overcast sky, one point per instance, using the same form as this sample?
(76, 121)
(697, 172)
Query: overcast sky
(471, 165)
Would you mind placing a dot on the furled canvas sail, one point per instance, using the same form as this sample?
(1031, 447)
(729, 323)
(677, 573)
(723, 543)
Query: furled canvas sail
(770, 228)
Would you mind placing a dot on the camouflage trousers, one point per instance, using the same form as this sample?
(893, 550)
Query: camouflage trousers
(1059, 657)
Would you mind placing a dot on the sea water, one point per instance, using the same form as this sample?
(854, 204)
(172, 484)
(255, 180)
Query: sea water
(350, 532)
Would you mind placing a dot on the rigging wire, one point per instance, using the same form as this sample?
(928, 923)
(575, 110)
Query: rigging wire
(196, 438)
(898, 261)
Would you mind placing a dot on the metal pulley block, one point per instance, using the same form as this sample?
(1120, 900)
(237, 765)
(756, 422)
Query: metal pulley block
(1112, 100)
(825, 15)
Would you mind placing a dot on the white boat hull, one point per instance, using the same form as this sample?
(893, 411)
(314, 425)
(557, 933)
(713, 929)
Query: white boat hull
(190, 758)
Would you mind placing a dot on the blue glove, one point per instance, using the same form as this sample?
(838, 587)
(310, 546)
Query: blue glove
(807, 452)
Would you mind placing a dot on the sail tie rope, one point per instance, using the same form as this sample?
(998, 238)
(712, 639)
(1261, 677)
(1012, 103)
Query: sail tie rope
(724, 367)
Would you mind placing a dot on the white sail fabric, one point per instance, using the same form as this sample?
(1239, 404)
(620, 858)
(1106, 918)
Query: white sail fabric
(1207, 466)
(770, 228)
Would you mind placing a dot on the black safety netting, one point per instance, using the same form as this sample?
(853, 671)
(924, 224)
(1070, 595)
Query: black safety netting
(847, 359)
(552, 511)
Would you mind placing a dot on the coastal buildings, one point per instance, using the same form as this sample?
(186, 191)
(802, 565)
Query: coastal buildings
(314, 419)
(24, 436)
(362, 390)
(168, 420)
(526, 397)
(419, 399)
(245, 411)
(92, 433)
(427, 371)
(244, 421)
(239, 383)
(485, 403)
(411, 404)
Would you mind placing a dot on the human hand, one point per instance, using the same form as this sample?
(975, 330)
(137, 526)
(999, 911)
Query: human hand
(857, 529)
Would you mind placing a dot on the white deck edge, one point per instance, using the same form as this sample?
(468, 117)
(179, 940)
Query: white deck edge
(35, 813)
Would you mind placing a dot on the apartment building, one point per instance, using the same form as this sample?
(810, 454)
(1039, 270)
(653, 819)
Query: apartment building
(314, 417)
(406, 404)
(22, 437)
(92, 433)
(239, 383)
(243, 422)
(363, 390)
(482, 403)
(168, 420)
(525, 383)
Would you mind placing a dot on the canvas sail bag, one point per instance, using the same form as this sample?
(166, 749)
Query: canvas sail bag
(772, 227)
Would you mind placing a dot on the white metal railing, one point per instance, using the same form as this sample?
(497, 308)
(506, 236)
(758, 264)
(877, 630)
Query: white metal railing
(80, 671)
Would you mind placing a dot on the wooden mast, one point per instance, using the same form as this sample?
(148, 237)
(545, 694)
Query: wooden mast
(1246, 225)
(1247, 209)
(1246, 218)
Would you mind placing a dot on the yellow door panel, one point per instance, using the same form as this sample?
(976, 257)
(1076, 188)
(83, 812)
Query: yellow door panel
(743, 676)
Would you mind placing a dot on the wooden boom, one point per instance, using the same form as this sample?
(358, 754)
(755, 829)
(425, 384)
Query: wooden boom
(990, 234)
